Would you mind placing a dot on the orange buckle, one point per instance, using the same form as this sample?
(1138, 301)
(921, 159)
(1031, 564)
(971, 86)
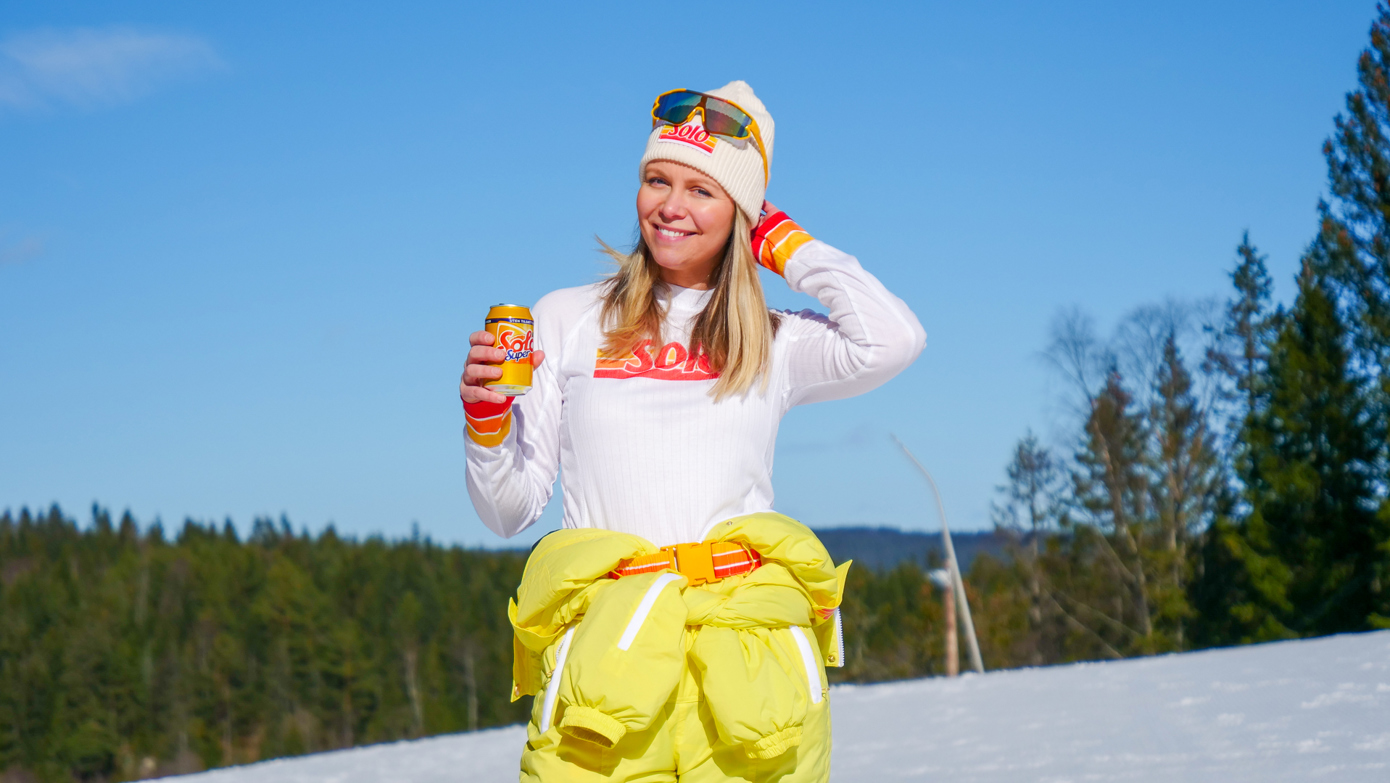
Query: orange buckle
(695, 562)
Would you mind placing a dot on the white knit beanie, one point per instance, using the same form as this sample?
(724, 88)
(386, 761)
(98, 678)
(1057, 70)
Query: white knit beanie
(734, 164)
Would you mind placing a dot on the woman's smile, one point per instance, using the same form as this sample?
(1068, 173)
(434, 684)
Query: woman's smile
(674, 234)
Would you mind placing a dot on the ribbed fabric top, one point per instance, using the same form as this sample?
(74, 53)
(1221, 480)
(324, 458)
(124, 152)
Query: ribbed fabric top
(637, 441)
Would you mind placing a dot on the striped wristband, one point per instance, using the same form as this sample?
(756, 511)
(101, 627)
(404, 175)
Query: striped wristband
(776, 239)
(488, 422)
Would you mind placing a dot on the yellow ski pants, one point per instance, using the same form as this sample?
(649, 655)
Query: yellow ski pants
(663, 676)
(681, 745)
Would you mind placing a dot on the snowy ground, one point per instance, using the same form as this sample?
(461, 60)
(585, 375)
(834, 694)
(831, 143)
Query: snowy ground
(1307, 710)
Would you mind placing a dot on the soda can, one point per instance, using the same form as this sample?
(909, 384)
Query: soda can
(513, 330)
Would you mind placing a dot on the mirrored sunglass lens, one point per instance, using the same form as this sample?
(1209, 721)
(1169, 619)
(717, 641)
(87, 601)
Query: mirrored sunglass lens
(676, 107)
(723, 119)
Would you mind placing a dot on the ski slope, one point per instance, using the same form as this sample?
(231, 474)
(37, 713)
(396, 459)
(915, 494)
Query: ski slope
(1306, 710)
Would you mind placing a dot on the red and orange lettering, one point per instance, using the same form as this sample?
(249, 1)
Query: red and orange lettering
(670, 362)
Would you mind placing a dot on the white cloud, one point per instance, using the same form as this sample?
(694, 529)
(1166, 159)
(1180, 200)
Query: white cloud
(90, 68)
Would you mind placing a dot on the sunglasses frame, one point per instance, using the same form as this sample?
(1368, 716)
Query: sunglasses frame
(700, 107)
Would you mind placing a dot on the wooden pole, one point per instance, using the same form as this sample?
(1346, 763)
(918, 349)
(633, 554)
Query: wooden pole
(942, 578)
(973, 644)
(952, 641)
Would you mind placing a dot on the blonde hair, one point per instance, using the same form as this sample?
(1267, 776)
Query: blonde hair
(735, 329)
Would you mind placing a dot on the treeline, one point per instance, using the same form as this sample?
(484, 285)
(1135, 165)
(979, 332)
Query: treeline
(127, 654)
(1225, 479)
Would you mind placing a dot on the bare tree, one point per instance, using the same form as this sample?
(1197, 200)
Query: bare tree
(1077, 355)
(1030, 506)
(1140, 339)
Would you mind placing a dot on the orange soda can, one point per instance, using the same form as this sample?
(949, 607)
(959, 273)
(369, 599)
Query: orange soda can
(512, 330)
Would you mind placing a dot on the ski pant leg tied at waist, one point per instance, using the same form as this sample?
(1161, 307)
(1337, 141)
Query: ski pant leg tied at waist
(754, 644)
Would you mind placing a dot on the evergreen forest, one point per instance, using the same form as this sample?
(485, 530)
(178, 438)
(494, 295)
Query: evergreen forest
(1224, 477)
(1221, 477)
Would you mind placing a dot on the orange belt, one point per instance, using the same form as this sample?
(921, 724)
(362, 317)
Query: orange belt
(700, 563)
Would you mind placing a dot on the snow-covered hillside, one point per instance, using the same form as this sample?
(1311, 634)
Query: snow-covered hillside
(1307, 710)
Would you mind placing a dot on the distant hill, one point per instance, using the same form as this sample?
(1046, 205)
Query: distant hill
(883, 548)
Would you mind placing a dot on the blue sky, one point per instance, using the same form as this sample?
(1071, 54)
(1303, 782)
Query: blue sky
(241, 245)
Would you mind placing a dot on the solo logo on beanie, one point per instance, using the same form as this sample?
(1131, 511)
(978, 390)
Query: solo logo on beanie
(691, 133)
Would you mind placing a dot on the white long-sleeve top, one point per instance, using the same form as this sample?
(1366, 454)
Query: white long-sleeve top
(638, 442)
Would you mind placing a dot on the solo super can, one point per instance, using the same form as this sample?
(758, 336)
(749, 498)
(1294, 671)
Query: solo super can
(513, 330)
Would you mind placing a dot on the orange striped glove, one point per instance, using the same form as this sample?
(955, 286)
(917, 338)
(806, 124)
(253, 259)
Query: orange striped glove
(488, 422)
(776, 239)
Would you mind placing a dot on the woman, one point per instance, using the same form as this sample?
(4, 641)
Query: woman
(659, 392)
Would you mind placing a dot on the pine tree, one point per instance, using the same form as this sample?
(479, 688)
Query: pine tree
(1221, 579)
(1111, 488)
(1243, 347)
(1358, 161)
(1188, 486)
(1309, 545)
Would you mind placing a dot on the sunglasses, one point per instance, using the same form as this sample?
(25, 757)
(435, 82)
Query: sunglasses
(721, 117)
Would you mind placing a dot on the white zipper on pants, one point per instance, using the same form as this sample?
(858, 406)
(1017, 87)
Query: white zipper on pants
(644, 608)
(839, 639)
(552, 690)
(809, 658)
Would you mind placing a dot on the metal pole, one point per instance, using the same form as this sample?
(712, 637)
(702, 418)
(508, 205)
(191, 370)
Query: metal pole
(976, 662)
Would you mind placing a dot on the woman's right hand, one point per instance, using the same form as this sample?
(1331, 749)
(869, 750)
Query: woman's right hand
(484, 365)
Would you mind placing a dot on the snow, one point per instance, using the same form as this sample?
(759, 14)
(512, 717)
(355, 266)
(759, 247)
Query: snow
(1307, 710)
